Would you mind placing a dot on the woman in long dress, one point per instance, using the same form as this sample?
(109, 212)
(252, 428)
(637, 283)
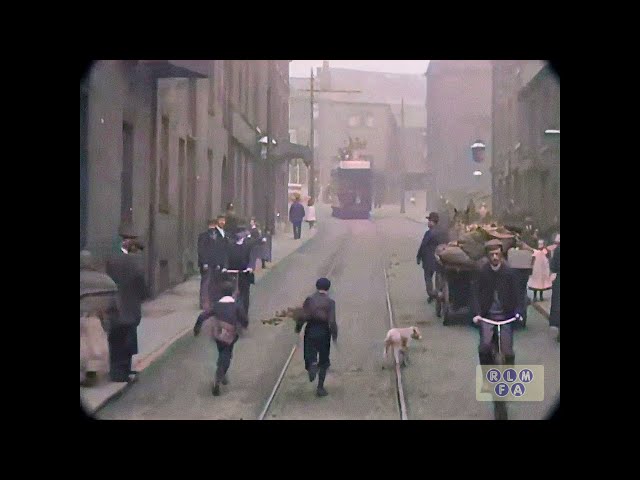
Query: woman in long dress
(310, 216)
(541, 278)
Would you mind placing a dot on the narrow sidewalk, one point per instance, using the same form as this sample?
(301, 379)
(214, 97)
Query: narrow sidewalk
(172, 314)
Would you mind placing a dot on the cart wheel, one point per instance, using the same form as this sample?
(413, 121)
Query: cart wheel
(446, 305)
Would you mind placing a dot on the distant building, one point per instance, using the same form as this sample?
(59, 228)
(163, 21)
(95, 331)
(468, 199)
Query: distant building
(526, 162)
(372, 115)
(458, 104)
(165, 144)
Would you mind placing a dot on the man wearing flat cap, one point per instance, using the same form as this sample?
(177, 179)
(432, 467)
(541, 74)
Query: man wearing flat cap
(433, 237)
(125, 268)
(495, 296)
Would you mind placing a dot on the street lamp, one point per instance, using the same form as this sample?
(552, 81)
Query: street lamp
(477, 151)
(263, 147)
(264, 141)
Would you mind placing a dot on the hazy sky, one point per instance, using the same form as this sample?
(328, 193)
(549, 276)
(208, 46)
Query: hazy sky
(302, 68)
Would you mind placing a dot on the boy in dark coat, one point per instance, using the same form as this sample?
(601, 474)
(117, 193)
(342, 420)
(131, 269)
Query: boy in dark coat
(320, 317)
(228, 311)
(240, 258)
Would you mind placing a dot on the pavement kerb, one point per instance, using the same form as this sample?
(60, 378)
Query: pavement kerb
(541, 309)
(144, 363)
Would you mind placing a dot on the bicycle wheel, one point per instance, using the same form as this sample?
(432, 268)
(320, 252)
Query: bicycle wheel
(499, 407)
(446, 305)
(500, 410)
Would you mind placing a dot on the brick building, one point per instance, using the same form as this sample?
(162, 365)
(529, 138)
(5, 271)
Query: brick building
(166, 144)
(526, 162)
(458, 104)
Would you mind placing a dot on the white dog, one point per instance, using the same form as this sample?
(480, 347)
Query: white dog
(398, 339)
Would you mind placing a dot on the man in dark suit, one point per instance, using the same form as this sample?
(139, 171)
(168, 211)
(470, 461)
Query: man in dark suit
(296, 215)
(125, 268)
(495, 296)
(205, 246)
(433, 237)
(212, 258)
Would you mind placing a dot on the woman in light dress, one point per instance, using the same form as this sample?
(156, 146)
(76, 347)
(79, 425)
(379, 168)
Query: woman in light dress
(541, 278)
(310, 216)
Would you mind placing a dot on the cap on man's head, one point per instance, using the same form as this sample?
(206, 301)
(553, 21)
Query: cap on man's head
(434, 217)
(323, 284)
(492, 245)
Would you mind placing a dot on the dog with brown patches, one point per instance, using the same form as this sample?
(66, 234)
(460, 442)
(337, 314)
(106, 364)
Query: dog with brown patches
(398, 339)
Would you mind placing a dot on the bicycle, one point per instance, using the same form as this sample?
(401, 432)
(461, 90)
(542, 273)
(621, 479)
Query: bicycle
(236, 274)
(236, 290)
(499, 407)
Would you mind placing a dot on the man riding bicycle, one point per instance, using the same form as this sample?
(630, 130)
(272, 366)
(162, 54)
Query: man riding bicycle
(495, 297)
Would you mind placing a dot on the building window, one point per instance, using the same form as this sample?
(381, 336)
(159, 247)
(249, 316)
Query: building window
(354, 121)
(210, 189)
(316, 111)
(239, 87)
(164, 166)
(126, 188)
(220, 71)
(84, 165)
(369, 120)
(193, 104)
(293, 136)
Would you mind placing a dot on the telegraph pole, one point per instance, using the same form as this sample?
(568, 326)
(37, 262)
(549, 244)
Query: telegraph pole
(312, 175)
(312, 90)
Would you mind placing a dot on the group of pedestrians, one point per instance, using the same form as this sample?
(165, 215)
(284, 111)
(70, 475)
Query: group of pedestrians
(298, 213)
(495, 287)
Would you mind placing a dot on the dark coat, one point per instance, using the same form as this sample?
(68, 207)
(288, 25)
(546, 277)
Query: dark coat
(229, 312)
(505, 281)
(320, 314)
(427, 251)
(257, 246)
(126, 271)
(554, 314)
(296, 212)
(212, 249)
(240, 259)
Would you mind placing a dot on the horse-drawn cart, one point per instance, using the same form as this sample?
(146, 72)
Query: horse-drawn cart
(455, 281)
